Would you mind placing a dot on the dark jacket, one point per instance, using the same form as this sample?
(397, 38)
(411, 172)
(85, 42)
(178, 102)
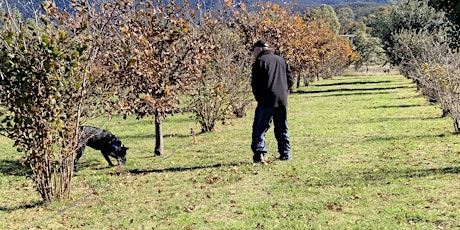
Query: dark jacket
(271, 79)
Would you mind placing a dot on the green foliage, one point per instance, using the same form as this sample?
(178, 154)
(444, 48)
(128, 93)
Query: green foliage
(452, 9)
(40, 89)
(346, 19)
(407, 15)
(429, 60)
(369, 49)
(361, 9)
(326, 15)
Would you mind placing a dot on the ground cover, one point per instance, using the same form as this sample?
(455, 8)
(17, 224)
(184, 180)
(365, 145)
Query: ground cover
(368, 153)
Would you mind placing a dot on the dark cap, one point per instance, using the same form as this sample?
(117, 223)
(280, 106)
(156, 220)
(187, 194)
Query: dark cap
(260, 43)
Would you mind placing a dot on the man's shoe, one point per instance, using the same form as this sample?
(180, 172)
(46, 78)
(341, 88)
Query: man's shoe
(285, 157)
(258, 158)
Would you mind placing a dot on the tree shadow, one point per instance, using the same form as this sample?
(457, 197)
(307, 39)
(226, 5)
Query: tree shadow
(351, 90)
(389, 119)
(380, 176)
(181, 169)
(352, 83)
(396, 106)
(22, 206)
(409, 97)
(133, 121)
(13, 168)
(93, 164)
(409, 173)
(350, 94)
(152, 136)
(402, 137)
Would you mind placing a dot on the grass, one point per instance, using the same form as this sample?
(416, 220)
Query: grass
(368, 153)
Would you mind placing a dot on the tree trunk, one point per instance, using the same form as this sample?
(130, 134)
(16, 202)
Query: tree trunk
(298, 82)
(306, 81)
(158, 136)
(457, 125)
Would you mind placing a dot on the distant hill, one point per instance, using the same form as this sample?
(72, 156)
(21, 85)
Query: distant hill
(301, 3)
(338, 2)
(27, 7)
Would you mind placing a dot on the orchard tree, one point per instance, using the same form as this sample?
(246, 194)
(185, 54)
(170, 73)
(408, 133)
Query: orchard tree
(408, 21)
(42, 91)
(223, 91)
(327, 53)
(151, 56)
(368, 47)
(452, 10)
(325, 14)
(285, 32)
(307, 45)
(346, 19)
(424, 55)
(430, 61)
(406, 15)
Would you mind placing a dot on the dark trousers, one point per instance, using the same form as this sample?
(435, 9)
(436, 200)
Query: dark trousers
(263, 117)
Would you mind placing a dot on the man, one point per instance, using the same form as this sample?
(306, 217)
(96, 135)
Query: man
(270, 81)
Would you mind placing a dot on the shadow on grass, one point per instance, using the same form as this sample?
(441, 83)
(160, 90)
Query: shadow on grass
(417, 95)
(387, 119)
(152, 136)
(402, 137)
(181, 169)
(93, 164)
(34, 204)
(353, 83)
(13, 168)
(351, 90)
(381, 176)
(349, 94)
(409, 173)
(396, 106)
(133, 122)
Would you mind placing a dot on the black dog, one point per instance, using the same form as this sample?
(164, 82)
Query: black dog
(102, 140)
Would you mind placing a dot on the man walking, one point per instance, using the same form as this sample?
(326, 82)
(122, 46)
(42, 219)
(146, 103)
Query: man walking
(270, 81)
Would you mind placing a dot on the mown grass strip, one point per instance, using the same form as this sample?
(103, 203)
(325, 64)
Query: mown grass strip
(368, 153)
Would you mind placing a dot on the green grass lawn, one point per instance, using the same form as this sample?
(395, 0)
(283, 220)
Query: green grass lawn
(368, 153)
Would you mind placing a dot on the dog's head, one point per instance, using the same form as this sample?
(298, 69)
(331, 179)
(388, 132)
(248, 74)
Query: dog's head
(118, 151)
(121, 155)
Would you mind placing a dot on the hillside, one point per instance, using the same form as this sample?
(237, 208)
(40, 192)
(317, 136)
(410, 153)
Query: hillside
(302, 4)
(28, 6)
(338, 2)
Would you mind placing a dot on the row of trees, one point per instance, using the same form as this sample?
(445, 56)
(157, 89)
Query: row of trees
(151, 58)
(344, 21)
(143, 58)
(421, 37)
